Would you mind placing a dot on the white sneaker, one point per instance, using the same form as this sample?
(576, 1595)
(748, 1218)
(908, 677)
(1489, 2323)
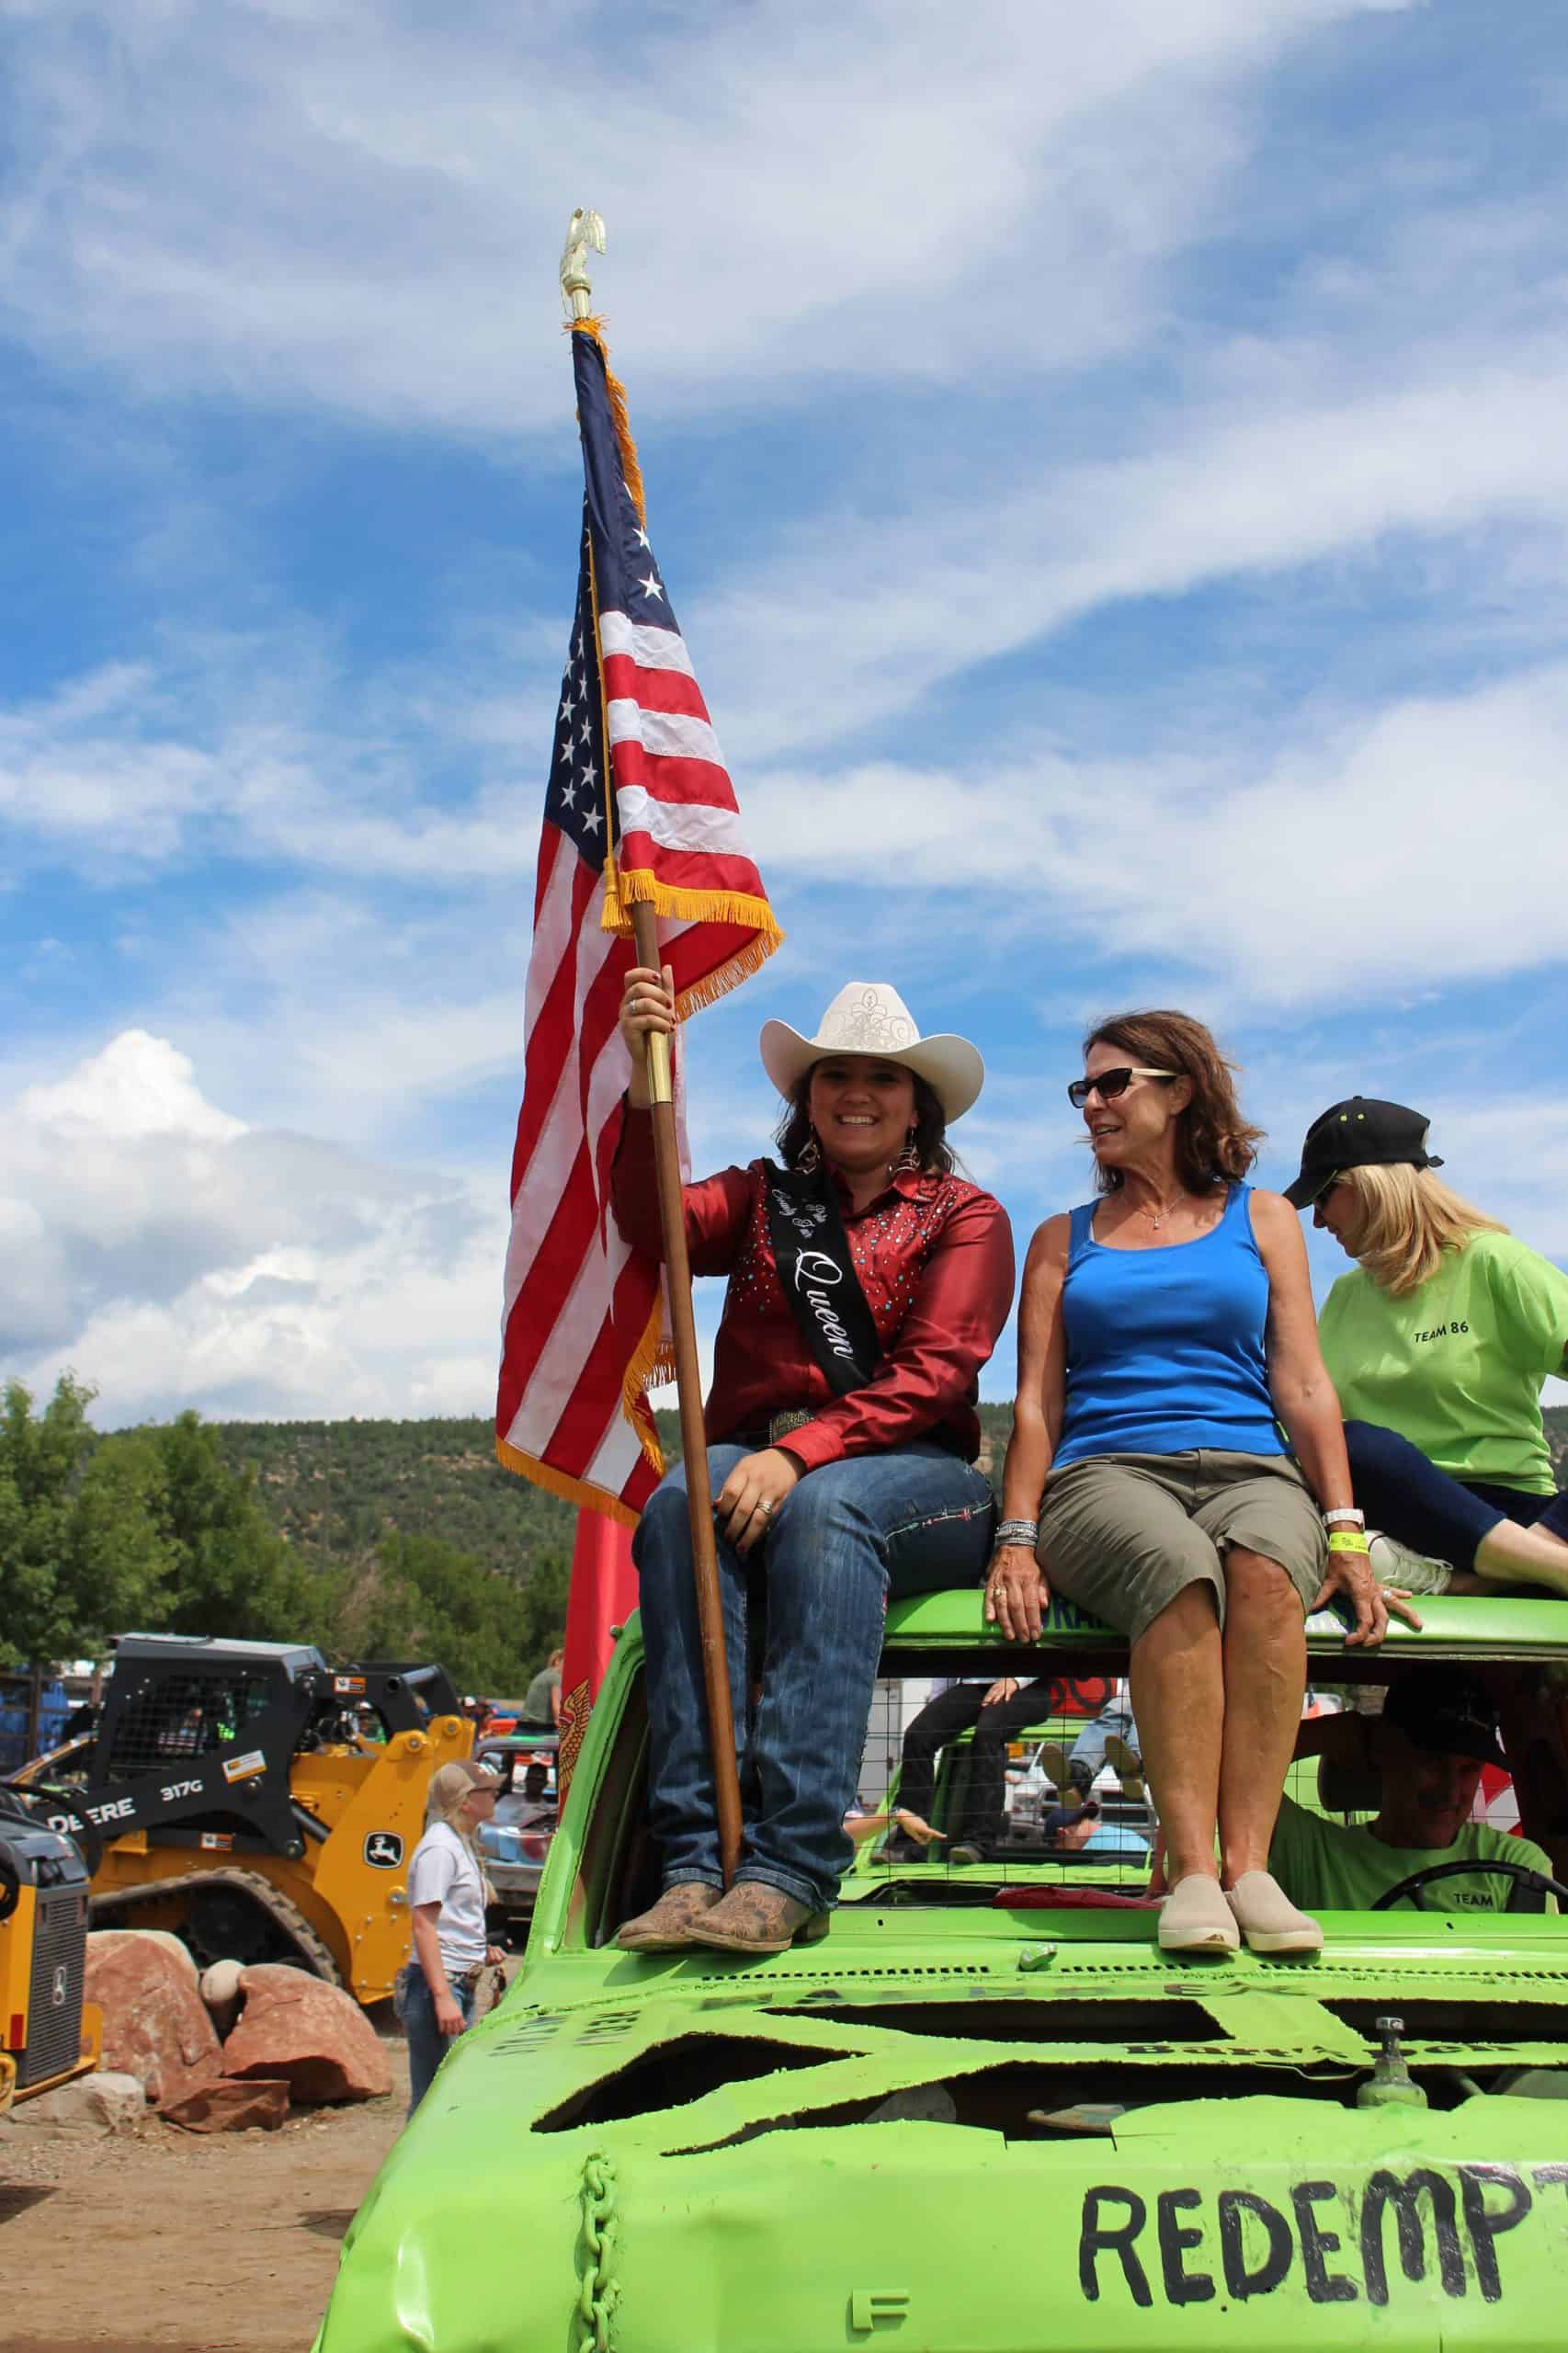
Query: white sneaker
(1395, 1563)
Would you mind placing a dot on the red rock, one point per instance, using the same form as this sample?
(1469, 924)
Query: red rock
(155, 2022)
(312, 2034)
(232, 2106)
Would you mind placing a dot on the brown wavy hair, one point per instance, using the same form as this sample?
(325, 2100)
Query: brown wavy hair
(1215, 1144)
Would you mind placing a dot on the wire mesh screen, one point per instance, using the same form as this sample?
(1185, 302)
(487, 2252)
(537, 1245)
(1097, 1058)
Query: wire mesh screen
(969, 1784)
(171, 1719)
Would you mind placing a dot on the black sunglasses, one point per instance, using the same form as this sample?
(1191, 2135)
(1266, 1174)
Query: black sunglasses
(1110, 1084)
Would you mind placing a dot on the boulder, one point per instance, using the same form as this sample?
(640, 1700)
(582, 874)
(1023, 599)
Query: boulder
(220, 1992)
(165, 1938)
(156, 2023)
(312, 2034)
(112, 2102)
(231, 2105)
(175, 1947)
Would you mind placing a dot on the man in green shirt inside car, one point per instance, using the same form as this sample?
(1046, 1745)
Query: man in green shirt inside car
(1437, 1731)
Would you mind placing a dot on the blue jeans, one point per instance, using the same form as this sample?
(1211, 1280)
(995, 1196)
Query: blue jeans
(427, 2046)
(1410, 1500)
(840, 1544)
(1087, 1759)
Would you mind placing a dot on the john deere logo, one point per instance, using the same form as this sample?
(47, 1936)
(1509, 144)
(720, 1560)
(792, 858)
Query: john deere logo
(59, 1988)
(383, 1850)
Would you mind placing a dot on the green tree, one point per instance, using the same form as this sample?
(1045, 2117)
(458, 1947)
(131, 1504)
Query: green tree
(231, 1575)
(82, 1540)
(540, 1616)
(422, 1598)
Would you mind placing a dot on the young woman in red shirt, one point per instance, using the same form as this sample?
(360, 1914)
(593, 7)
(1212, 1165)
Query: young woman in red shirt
(866, 1285)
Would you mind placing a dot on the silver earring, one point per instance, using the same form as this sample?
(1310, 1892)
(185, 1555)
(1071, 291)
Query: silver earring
(809, 1156)
(909, 1158)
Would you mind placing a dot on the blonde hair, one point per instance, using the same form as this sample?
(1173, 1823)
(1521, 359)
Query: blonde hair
(449, 1785)
(1409, 1218)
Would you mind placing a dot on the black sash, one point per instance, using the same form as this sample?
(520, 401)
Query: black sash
(810, 1251)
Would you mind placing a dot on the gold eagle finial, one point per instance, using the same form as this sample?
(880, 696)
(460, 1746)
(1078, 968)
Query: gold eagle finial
(585, 230)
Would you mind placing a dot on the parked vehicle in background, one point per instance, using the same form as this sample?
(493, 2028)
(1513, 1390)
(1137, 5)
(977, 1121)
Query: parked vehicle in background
(515, 1843)
(48, 2033)
(54, 1710)
(231, 1793)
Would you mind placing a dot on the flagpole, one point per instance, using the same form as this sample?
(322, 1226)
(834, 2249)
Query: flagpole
(587, 229)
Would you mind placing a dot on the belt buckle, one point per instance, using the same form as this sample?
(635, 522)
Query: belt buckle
(780, 1425)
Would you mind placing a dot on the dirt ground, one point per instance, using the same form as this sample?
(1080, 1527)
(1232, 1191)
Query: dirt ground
(174, 2241)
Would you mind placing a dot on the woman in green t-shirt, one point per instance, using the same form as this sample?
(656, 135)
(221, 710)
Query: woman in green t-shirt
(1437, 1344)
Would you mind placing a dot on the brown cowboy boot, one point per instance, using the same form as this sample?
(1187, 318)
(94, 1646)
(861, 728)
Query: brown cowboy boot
(667, 1925)
(755, 1917)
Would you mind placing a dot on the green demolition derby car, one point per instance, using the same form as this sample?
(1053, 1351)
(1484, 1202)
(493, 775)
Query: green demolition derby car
(987, 2114)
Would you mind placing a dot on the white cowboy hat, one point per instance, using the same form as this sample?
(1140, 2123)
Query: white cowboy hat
(869, 1017)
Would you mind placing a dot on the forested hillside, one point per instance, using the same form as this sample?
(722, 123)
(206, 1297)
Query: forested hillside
(371, 1539)
(333, 1488)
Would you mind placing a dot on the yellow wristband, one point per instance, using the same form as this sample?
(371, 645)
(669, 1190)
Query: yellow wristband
(1344, 1540)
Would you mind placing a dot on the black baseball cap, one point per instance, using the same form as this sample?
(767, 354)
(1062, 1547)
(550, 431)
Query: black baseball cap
(1061, 1817)
(1447, 1712)
(1360, 1133)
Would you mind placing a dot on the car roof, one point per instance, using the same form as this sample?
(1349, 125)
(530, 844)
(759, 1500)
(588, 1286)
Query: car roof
(937, 1633)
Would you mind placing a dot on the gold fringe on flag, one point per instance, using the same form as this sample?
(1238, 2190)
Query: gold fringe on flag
(620, 416)
(736, 908)
(653, 1364)
(580, 1492)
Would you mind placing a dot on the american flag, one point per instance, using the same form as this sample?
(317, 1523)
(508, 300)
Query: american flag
(639, 799)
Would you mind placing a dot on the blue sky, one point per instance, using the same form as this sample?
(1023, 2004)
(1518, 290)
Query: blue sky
(1109, 465)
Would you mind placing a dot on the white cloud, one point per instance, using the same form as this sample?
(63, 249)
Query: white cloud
(139, 1086)
(1301, 369)
(876, 618)
(1411, 848)
(246, 743)
(175, 1255)
(210, 192)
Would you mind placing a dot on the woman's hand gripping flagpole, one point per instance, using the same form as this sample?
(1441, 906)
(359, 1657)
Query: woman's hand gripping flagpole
(693, 1436)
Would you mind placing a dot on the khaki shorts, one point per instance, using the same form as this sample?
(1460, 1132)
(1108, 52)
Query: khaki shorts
(1121, 1534)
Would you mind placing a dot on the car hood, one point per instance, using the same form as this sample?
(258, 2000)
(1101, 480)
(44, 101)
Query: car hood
(1073, 2144)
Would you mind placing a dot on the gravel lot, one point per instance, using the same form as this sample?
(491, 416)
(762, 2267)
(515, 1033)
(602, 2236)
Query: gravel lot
(173, 2242)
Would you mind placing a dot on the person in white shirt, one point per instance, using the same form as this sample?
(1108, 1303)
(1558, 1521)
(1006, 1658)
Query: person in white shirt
(434, 1992)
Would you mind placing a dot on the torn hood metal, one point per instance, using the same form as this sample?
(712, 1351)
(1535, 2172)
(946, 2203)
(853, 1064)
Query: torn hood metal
(973, 2131)
(835, 2147)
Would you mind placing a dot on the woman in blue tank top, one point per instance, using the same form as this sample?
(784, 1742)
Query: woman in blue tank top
(1166, 1334)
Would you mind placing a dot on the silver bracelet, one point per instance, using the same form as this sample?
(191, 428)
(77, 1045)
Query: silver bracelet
(1018, 1531)
(1343, 1513)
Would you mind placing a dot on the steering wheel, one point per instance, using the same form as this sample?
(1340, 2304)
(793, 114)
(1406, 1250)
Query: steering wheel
(1538, 1882)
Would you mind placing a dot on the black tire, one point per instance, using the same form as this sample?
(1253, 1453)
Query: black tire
(225, 1923)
